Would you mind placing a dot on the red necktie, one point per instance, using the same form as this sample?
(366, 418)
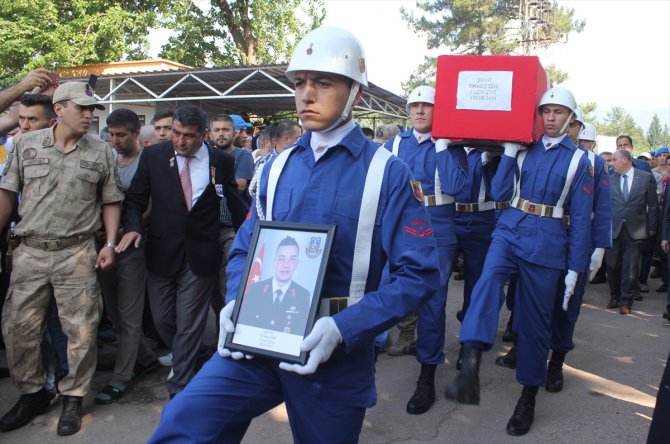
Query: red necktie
(185, 178)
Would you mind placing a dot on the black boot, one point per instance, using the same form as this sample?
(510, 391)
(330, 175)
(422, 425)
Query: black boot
(509, 335)
(70, 417)
(459, 361)
(554, 381)
(509, 360)
(424, 395)
(520, 422)
(27, 407)
(465, 388)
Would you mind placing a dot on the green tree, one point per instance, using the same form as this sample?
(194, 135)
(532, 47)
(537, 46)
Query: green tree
(665, 136)
(556, 76)
(484, 27)
(56, 34)
(246, 32)
(655, 132)
(619, 122)
(589, 109)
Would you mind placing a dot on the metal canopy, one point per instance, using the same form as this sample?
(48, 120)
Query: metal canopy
(260, 90)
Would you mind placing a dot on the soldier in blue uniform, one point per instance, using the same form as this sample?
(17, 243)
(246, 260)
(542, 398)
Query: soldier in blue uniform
(564, 320)
(333, 175)
(530, 239)
(416, 148)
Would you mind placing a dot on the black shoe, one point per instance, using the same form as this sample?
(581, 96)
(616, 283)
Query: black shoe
(638, 297)
(524, 412)
(459, 360)
(554, 382)
(666, 315)
(140, 371)
(643, 288)
(662, 289)
(465, 388)
(508, 360)
(424, 395)
(70, 417)
(460, 314)
(26, 408)
(4, 372)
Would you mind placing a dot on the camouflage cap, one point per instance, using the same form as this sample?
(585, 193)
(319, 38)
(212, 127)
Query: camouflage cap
(78, 92)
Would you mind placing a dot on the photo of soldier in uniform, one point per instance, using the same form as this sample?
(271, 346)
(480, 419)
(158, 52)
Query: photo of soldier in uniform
(278, 303)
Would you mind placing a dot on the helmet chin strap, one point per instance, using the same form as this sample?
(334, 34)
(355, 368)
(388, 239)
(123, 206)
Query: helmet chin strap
(567, 122)
(347, 108)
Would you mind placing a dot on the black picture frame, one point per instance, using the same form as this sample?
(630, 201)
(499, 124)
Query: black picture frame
(273, 329)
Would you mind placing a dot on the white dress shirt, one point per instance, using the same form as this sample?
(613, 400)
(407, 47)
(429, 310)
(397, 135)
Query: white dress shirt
(199, 169)
(629, 178)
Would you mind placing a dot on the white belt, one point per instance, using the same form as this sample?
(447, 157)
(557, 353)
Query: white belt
(466, 207)
(434, 200)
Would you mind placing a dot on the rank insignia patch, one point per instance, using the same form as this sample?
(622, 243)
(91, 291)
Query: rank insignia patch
(419, 228)
(416, 190)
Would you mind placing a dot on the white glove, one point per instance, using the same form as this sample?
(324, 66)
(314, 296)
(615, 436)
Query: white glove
(227, 326)
(596, 262)
(570, 282)
(320, 344)
(441, 144)
(486, 157)
(511, 149)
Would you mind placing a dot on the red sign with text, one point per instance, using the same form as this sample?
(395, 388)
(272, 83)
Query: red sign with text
(489, 98)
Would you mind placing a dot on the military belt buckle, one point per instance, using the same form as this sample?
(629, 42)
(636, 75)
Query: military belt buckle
(463, 208)
(51, 245)
(502, 205)
(429, 200)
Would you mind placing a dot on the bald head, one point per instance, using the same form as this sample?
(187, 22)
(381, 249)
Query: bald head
(147, 136)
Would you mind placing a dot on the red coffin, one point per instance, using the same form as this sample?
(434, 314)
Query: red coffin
(489, 98)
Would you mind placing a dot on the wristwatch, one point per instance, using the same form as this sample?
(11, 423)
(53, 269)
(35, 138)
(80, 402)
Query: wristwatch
(110, 245)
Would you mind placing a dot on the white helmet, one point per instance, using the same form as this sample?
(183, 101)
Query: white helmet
(421, 94)
(579, 116)
(329, 49)
(558, 96)
(336, 51)
(588, 133)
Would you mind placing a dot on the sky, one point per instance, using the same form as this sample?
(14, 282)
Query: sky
(622, 58)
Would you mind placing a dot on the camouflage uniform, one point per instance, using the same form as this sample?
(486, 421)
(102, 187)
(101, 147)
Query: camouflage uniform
(61, 197)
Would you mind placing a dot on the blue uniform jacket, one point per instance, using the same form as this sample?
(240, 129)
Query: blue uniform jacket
(422, 161)
(544, 240)
(601, 225)
(329, 192)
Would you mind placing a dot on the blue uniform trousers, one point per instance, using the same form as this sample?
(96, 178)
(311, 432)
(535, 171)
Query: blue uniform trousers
(563, 322)
(218, 405)
(474, 244)
(533, 309)
(431, 325)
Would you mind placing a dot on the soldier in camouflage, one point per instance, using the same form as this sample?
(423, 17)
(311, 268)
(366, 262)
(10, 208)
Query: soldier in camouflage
(64, 177)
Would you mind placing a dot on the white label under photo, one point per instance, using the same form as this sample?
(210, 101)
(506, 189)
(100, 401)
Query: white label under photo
(484, 90)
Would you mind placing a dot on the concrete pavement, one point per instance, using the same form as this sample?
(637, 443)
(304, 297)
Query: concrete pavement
(611, 379)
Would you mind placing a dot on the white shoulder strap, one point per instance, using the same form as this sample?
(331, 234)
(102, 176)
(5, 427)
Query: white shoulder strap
(517, 183)
(273, 178)
(366, 224)
(572, 169)
(396, 145)
(592, 158)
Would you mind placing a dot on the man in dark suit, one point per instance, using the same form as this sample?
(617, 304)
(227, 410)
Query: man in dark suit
(185, 180)
(634, 219)
(278, 303)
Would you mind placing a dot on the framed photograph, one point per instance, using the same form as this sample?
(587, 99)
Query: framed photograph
(279, 295)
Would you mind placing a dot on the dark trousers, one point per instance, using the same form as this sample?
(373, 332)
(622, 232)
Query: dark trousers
(659, 431)
(623, 267)
(179, 305)
(646, 253)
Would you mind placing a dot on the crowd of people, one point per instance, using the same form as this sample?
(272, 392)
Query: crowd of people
(164, 213)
